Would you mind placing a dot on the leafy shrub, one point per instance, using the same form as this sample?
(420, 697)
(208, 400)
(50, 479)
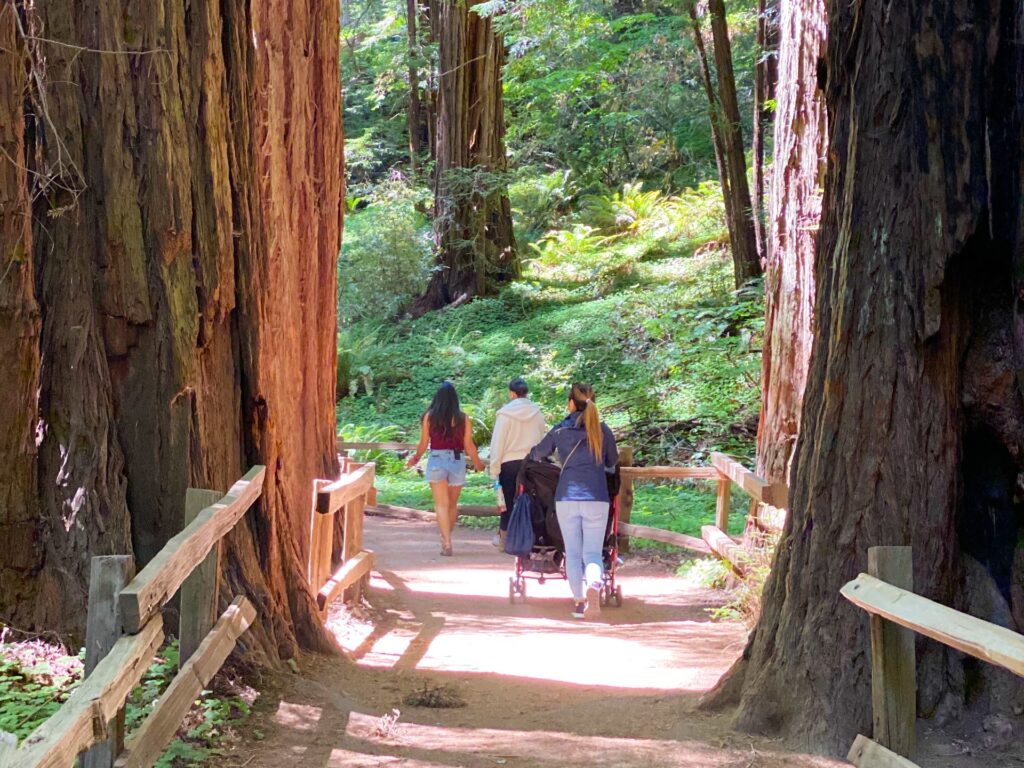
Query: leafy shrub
(696, 215)
(746, 597)
(631, 210)
(37, 677)
(706, 572)
(538, 198)
(354, 366)
(388, 462)
(386, 255)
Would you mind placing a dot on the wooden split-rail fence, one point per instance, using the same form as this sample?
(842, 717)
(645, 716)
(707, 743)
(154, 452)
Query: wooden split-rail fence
(124, 631)
(125, 623)
(767, 510)
(886, 593)
(338, 563)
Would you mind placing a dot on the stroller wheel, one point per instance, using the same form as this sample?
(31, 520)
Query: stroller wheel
(618, 596)
(604, 596)
(511, 590)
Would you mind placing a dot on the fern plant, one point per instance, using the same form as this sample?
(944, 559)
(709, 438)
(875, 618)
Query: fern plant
(631, 210)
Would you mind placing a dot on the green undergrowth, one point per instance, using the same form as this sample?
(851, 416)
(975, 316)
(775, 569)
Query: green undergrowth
(630, 290)
(679, 507)
(673, 352)
(36, 677)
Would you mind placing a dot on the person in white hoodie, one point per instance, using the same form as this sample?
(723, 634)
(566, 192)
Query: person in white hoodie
(518, 427)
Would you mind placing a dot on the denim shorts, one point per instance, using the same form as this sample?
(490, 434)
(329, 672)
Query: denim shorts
(442, 465)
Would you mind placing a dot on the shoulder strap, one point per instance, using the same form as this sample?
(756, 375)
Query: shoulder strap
(572, 452)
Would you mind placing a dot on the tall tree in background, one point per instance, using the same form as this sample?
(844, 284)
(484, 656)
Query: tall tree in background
(766, 75)
(186, 173)
(415, 115)
(724, 112)
(913, 424)
(476, 249)
(801, 132)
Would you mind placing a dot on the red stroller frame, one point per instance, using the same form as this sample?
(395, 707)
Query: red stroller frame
(544, 564)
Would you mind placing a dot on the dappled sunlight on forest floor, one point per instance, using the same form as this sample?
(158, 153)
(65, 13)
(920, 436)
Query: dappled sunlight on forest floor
(525, 684)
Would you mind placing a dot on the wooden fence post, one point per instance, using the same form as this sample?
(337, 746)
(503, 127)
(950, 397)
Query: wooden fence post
(723, 503)
(108, 575)
(354, 512)
(625, 495)
(893, 674)
(200, 590)
(321, 540)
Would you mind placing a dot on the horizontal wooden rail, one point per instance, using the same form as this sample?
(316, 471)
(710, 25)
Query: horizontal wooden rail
(156, 732)
(680, 540)
(344, 445)
(975, 637)
(394, 510)
(82, 720)
(342, 501)
(160, 579)
(759, 489)
(678, 473)
(727, 550)
(349, 573)
(333, 496)
(866, 753)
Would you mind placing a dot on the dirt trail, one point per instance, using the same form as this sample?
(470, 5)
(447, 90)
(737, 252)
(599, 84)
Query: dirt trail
(540, 688)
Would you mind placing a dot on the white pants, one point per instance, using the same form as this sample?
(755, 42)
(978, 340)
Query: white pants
(583, 524)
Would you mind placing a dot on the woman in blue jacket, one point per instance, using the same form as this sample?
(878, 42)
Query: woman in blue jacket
(586, 450)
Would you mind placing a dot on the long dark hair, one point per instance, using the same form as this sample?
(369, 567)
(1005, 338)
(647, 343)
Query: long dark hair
(446, 417)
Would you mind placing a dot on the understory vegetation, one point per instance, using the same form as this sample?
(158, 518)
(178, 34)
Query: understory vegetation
(644, 309)
(37, 676)
(627, 280)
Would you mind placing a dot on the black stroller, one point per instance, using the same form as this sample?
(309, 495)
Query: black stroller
(547, 558)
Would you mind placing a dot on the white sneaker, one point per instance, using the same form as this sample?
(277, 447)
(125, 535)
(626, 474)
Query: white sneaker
(496, 541)
(593, 602)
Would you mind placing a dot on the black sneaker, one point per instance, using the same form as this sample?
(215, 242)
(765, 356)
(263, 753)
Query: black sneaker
(579, 610)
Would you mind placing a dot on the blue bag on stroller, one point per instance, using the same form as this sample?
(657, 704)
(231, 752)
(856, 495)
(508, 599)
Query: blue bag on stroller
(519, 539)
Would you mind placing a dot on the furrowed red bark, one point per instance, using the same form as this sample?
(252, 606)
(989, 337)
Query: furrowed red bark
(912, 425)
(766, 74)
(19, 335)
(801, 132)
(187, 171)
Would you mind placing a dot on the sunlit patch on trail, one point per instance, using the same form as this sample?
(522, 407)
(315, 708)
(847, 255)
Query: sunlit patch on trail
(421, 743)
(300, 717)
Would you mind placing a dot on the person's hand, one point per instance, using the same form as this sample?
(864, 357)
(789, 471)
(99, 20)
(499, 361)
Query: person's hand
(478, 465)
(412, 462)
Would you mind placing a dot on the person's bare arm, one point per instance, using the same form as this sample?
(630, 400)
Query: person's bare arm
(471, 448)
(421, 447)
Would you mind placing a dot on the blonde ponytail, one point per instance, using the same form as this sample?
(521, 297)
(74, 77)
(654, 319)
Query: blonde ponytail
(583, 397)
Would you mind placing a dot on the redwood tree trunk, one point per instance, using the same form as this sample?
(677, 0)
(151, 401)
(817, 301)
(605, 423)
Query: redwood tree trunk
(726, 130)
(19, 338)
(476, 249)
(795, 210)
(766, 74)
(913, 423)
(714, 113)
(188, 191)
(415, 119)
